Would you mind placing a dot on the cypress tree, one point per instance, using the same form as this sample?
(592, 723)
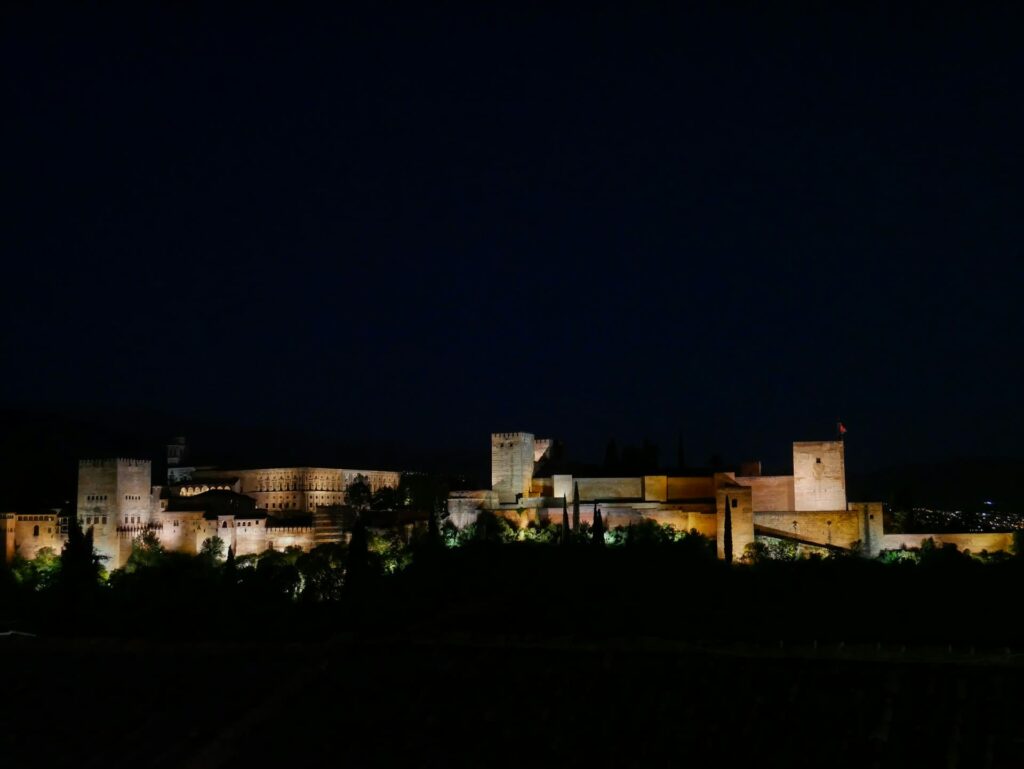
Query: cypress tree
(433, 529)
(727, 536)
(565, 521)
(576, 506)
(358, 557)
(80, 567)
(598, 530)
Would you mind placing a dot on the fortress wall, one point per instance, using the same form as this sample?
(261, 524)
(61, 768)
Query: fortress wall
(562, 485)
(610, 488)
(742, 517)
(134, 483)
(690, 488)
(8, 525)
(655, 488)
(542, 487)
(511, 464)
(299, 489)
(20, 531)
(181, 531)
(685, 520)
(819, 475)
(770, 492)
(992, 542)
(250, 536)
(833, 527)
(871, 525)
(283, 537)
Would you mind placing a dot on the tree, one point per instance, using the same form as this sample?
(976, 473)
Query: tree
(147, 552)
(576, 506)
(357, 565)
(598, 531)
(565, 521)
(80, 566)
(727, 535)
(384, 498)
(39, 573)
(433, 525)
(212, 549)
(358, 494)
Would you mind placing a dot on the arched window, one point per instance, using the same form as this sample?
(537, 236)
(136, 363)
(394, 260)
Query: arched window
(35, 531)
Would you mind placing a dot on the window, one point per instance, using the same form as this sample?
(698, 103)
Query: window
(818, 460)
(735, 502)
(104, 519)
(35, 531)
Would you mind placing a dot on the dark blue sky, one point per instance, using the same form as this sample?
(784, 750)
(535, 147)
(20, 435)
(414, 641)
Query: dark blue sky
(402, 225)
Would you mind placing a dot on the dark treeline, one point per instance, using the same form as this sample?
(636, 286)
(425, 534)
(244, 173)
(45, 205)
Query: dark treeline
(646, 580)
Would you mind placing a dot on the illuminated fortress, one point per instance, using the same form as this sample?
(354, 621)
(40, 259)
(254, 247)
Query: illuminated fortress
(809, 507)
(249, 510)
(254, 510)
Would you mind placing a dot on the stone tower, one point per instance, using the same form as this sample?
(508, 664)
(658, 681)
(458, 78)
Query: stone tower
(177, 461)
(114, 500)
(819, 475)
(512, 456)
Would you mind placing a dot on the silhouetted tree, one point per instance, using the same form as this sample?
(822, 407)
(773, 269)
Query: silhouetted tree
(565, 521)
(358, 494)
(433, 526)
(727, 534)
(212, 549)
(80, 566)
(147, 552)
(598, 529)
(576, 506)
(357, 566)
(384, 498)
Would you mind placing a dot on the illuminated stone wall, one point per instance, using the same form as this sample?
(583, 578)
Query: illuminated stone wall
(699, 487)
(281, 537)
(770, 492)
(25, 534)
(512, 456)
(181, 531)
(742, 516)
(819, 475)
(113, 493)
(610, 488)
(990, 542)
(841, 528)
(285, 491)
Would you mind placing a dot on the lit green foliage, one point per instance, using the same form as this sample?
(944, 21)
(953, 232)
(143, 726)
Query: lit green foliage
(493, 528)
(147, 552)
(903, 555)
(542, 533)
(388, 550)
(39, 573)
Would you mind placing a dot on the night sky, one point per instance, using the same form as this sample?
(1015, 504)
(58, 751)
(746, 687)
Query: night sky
(389, 224)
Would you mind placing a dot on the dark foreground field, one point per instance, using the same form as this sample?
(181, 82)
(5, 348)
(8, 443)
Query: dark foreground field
(505, 701)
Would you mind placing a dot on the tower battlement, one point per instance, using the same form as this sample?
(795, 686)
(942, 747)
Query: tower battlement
(510, 436)
(114, 462)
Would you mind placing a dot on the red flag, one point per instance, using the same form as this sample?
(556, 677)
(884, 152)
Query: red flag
(842, 428)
